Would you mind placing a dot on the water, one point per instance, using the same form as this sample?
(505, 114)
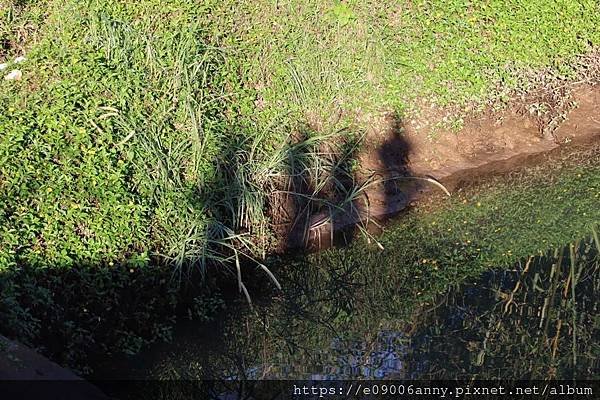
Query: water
(538, 319)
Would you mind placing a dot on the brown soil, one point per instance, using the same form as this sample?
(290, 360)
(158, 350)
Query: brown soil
(490, 143)
(491, 138)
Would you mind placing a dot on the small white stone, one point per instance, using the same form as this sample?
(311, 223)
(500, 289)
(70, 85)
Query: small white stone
(3, 66)
(19, 59)
(14, 75)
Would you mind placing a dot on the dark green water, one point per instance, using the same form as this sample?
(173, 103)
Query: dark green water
(537, 319)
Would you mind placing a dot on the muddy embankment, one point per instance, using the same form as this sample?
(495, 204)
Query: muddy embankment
(490, 143)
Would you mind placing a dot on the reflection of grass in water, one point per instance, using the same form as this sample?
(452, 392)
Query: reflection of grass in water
(536, 322)
(348, 292)
(516, 324)
(508, 324)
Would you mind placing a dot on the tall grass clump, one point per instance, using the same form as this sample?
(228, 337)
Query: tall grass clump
(149, 130)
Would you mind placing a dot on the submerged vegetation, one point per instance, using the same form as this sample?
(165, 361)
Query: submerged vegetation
(145, 138)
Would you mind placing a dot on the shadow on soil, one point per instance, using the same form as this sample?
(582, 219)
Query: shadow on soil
(335, 208)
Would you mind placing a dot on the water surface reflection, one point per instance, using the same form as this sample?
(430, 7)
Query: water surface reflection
(536, 320)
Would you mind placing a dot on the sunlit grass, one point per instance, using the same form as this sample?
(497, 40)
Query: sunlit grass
(132, 134)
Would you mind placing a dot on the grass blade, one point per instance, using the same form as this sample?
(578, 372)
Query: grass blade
(275, 281)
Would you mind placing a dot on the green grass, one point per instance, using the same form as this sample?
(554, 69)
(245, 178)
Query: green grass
(132, 134)
(103, 146)
(156, 130)
(316, 58)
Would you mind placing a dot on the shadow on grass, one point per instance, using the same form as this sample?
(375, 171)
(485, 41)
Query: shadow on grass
(79, 314)
(346, 201)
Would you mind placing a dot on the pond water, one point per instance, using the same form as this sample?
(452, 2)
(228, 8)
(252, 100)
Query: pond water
(538, 319)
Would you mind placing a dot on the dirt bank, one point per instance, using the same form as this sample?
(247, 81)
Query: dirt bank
(489, 143)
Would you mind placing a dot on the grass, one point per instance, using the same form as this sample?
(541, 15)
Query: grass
(154, 132)
(136, 135)
(321, 58)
